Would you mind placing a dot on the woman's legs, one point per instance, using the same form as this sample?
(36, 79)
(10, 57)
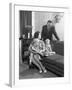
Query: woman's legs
(36, 58)
(36, 63)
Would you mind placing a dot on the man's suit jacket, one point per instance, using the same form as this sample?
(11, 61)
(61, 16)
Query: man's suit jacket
(47, 34)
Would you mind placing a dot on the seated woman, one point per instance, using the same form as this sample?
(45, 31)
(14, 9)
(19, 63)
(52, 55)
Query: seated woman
(48, 50)
(36, 48)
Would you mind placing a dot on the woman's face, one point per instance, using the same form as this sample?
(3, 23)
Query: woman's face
(39, 36)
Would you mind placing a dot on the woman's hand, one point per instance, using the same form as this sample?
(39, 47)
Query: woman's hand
(52, 53)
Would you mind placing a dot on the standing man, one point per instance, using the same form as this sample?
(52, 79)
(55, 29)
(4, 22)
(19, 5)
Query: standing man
(49, 30)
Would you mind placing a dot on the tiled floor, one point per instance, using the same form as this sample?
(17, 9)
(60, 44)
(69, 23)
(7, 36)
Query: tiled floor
(26, 73)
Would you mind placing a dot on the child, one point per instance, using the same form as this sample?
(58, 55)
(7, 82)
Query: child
(48, 50)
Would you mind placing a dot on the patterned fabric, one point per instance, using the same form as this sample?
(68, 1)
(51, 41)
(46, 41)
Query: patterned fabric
(36, 48)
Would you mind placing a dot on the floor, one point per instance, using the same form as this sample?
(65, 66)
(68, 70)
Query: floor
(26, 73)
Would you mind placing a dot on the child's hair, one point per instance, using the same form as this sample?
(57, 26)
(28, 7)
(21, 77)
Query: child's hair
(36, 34)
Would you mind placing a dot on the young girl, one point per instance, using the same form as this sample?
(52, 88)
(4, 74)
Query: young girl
(36, 48)
(48, 50)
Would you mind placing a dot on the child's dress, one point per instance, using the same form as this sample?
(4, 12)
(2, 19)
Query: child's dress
(48, 50)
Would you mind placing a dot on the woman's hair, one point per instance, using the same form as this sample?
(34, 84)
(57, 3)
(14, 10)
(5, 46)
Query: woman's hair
(36, 34)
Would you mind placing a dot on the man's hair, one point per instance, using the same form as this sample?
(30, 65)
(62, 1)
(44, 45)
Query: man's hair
(36, 34)
(49, 21)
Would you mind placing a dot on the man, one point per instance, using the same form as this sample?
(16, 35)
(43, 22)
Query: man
(48, 30)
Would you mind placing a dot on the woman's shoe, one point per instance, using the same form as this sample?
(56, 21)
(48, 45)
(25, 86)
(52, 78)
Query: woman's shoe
(45, 71)
(40, 71)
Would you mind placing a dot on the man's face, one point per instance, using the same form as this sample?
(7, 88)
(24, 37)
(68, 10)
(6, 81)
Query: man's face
(49, 24)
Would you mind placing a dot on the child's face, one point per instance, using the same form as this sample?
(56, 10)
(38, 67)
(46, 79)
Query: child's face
(47, 41)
